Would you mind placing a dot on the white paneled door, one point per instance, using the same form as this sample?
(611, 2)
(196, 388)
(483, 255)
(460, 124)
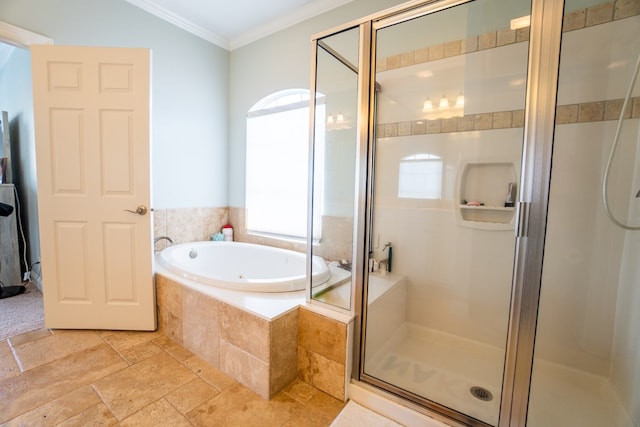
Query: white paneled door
(91, 108)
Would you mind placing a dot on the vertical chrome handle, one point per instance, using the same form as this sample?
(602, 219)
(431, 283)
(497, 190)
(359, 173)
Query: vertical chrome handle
(522, 219)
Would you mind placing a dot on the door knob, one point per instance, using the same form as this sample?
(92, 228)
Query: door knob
(140, 210)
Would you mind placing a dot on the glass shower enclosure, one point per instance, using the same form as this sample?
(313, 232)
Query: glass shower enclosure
(490, 285)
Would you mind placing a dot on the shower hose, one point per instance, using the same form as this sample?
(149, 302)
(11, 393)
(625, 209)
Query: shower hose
(605, 179)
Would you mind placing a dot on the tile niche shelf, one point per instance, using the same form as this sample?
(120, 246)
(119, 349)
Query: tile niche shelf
(487, 183)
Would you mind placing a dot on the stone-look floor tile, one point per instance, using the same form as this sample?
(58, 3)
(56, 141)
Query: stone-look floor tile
(320, 410)
(123, 340)
(208, 373)
(29, 336)
(97, 415)
(309, 417)
(8, 365)
(326, 403)
(140, 352)
(131, 389)
(59, 410)
(53, 347)
(239, 406)
(48, 382)
(173, 348)
(300, 391)
(159, 413)
(191, 395)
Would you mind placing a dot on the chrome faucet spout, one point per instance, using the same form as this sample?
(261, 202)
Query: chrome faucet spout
(157, 239)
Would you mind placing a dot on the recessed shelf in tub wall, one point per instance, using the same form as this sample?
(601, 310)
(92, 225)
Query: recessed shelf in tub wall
(485, 182)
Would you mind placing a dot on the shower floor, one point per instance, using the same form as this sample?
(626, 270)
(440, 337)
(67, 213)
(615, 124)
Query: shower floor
(443, 368)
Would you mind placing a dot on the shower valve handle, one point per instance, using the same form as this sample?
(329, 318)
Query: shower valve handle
(140, 210)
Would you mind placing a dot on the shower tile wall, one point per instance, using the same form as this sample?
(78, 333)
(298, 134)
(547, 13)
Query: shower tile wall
(488, 129)
(591, 272)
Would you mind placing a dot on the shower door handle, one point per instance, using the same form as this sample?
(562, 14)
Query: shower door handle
(140, 210)
(522, 219)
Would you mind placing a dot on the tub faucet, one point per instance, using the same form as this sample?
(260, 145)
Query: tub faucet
(157, 239)
(390, 257)
(383, 265)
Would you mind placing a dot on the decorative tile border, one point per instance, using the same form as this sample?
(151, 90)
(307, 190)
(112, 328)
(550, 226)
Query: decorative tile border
(467, 123)
(600, 14)
(453, 48)
(582, 18)
(565, 114)
(597, 111)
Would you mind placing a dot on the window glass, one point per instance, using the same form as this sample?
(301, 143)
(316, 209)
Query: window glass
(277, 164)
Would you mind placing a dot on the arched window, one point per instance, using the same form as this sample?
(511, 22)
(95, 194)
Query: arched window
(420, 177)
(278, 163)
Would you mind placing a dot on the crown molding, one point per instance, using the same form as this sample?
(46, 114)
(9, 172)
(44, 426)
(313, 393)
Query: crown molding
(20, 37)
(299, 15)
(180, 22)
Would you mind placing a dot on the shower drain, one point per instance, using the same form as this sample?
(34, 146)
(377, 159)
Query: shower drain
(481, 393)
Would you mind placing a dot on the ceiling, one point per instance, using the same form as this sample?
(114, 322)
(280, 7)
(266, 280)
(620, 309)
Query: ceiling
(235, 23)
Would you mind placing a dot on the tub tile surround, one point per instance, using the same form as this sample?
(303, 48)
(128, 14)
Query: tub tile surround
(263, 355)
(336, 242)
(322, 352)
(185, 225)
(96, 382)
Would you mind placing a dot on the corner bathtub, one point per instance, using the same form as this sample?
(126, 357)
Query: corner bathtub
(242, 266)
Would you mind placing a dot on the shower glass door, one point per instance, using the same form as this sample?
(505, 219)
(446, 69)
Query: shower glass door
(586, 369)
(447, 152)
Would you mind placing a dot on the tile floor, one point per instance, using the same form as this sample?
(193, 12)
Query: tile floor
(80, 378)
